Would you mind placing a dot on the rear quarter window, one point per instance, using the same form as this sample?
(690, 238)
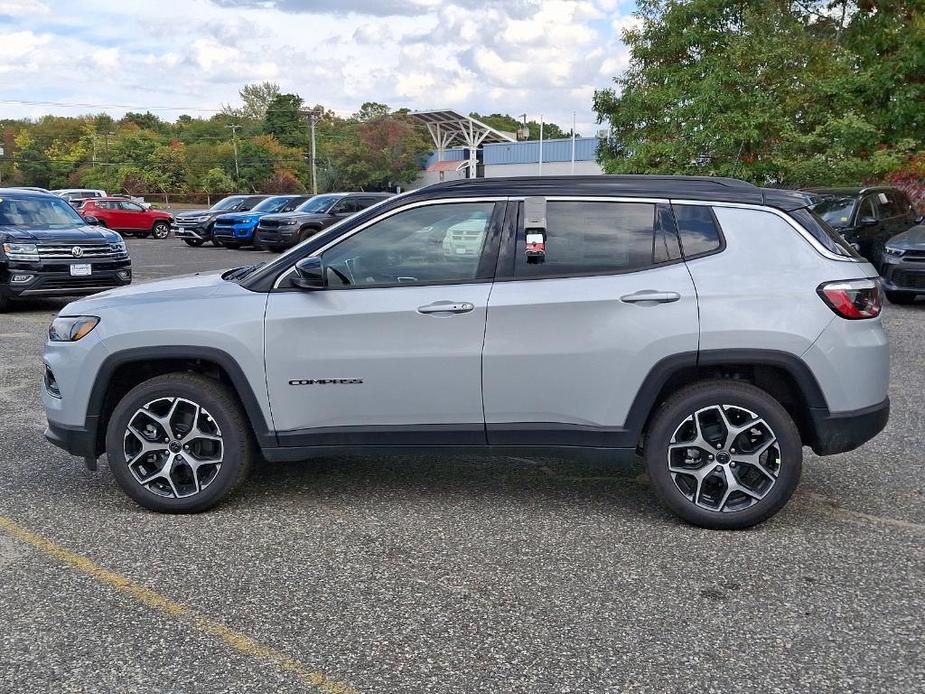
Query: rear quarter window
(830, 239)
(697, 229)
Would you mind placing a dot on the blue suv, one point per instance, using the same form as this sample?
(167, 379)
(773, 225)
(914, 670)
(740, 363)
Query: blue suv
(237, 229)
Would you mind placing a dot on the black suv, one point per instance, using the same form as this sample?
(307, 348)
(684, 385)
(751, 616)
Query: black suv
(865, 217)
(47, 249)
(195, 226)
(278, 231)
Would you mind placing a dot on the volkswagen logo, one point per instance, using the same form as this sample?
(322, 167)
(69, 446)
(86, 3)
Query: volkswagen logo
(77, 251)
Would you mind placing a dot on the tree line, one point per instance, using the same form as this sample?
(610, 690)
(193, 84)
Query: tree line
(776, 92)
(261, 145)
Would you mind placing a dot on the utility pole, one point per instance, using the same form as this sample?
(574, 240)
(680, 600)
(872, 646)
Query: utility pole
(312, 117)
(541, 144)
(573, 143)
(234, 140)
(93, 137)
(108, 135)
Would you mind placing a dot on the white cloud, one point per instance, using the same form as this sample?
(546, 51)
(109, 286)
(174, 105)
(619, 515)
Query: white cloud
(23, 8)
(474, 55)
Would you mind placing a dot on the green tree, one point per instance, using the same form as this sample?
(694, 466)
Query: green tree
(771, 92)
(255, 100)
(284, 121)
(215, 181)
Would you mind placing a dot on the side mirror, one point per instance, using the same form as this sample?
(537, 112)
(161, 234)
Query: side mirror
(867, 221)
(309, 274)
(920, 219)
(91, 220)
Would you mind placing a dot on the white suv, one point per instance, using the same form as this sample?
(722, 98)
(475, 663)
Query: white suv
(711, 326)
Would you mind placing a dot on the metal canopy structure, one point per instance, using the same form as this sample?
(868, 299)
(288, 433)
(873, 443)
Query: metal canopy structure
(448, 127)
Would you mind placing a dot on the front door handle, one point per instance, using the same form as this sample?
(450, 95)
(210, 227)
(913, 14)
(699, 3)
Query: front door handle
(650, 295)
(446, 307)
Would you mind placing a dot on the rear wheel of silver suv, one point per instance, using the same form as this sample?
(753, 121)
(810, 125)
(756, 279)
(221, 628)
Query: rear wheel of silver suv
(179, 443)
(723, 454)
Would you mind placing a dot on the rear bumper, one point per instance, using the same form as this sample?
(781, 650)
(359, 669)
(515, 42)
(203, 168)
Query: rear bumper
(844, 431)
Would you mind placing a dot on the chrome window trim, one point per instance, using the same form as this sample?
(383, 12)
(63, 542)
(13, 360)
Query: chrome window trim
(809, 238)
(382, 217)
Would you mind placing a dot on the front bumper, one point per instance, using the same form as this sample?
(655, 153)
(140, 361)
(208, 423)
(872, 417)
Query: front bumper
(79, 441)
(278, 236)
(199, 232)
(55, 279)
(905, 276)
(239, 233)
(844, 431)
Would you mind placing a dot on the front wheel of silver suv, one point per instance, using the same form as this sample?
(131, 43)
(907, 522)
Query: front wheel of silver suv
(179, 443)
(723, 454)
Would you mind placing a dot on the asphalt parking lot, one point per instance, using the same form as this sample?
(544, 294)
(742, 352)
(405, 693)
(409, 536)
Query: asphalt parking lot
(411, 574)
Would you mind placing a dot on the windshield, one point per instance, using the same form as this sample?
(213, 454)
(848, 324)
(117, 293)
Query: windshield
(38, 213)
(226, 204)
(319, 203)
(272, 204)
(835, 209)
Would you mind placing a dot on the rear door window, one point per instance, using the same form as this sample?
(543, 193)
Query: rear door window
(868, 208)
(591, 238)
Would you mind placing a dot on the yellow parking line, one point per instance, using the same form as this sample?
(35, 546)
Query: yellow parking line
(145, 596)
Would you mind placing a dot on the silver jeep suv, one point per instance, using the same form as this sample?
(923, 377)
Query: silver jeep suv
(710, 326)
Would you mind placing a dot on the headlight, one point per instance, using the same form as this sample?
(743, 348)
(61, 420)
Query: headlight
(291, 221)
(21, 251)
(118, 247)
(893, 251)
(71, 328)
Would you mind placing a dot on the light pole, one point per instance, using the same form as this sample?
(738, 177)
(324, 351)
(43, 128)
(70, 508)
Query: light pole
(541, 144)
(234, 140)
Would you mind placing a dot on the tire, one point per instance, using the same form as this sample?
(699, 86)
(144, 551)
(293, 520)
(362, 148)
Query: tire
(160, 230)
(195, 243)
(307, 234)
(147, 407)
(901, 298)
(275, 248)
(4, 303)
(764, 479)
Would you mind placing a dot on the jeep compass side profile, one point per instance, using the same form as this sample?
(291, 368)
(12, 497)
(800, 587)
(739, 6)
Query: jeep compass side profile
(713, 327)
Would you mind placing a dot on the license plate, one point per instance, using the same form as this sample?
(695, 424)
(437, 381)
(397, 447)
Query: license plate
(80, 270)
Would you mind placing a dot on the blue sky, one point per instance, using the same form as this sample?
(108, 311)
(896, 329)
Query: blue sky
(172, 56)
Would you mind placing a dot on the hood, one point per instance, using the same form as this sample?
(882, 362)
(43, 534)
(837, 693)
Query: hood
(240, 216)
(71, 235)
(910, 240)
(180, 288)
(282, 215)
(309, 216)
(193, 213)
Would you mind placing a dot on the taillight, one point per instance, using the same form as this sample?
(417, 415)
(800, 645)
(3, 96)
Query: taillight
(853, 299)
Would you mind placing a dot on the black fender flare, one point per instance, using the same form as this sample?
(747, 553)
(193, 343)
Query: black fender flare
(265, 436)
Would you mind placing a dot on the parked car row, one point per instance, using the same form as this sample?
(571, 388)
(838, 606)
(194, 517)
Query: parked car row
(882, 225)
(272, 222)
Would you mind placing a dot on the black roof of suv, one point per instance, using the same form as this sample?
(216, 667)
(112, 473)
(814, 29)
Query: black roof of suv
(679, 187)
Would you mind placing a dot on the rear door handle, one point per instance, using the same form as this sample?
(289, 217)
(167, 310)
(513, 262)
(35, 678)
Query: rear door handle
(446, 307)
(650, 295)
